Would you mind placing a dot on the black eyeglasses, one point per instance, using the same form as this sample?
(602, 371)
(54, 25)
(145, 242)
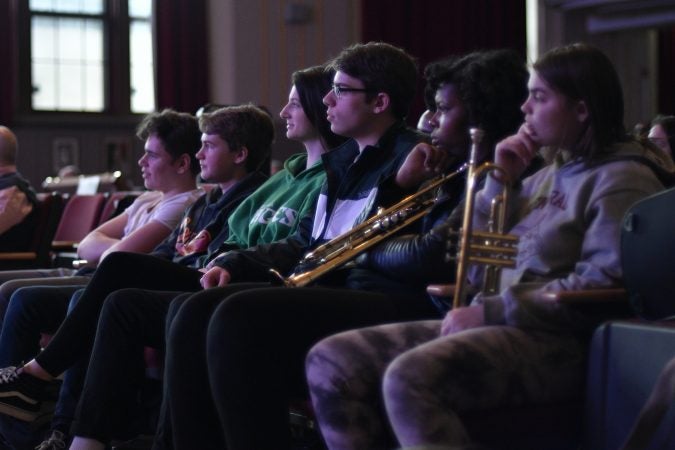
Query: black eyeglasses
(339, 90)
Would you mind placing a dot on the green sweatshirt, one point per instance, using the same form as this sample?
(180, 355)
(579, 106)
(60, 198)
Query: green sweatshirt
(276, 208)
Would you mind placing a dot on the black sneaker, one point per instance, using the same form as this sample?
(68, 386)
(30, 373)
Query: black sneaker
(56, 441)
(21, 395)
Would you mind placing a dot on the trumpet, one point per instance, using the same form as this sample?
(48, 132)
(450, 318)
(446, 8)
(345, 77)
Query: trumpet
(342, 249)
(493, 248)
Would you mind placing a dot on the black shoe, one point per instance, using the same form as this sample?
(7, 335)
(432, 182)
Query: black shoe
(56, 441)
(21, 395)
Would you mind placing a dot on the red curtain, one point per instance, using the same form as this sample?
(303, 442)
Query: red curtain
(432, 29)
(181, 54)
(7, 62)
(666, 76)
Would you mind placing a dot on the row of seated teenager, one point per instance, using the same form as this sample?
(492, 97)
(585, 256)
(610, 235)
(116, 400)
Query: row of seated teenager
(385, 365)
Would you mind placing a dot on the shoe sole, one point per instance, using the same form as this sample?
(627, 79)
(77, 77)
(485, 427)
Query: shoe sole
(46, 411)
(19, 395)
(19, 413)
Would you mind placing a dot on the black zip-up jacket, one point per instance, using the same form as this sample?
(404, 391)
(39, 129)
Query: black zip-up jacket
(417, 258)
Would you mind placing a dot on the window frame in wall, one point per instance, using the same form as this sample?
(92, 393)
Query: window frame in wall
(116, 61)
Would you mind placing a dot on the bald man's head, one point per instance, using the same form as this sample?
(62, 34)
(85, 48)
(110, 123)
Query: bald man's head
(8, 147)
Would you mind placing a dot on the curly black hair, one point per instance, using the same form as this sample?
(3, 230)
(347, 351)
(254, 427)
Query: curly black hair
(492, 85)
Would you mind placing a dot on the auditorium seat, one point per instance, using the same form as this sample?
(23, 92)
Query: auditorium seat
(115, 204)
(625, 360)
(627, 356)
(80, 216)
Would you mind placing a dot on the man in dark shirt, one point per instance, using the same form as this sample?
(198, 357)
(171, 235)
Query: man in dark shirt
(17, 198)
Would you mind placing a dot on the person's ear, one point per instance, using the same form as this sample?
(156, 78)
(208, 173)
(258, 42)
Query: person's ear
(581, 111)
(241, 155)
(381, 102)
(183, 163)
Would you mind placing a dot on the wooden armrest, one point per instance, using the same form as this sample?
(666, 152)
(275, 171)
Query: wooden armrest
(566, 297)
(80, 263)
(589, 296)
(17, 256)
(441, 290)
(64, 245)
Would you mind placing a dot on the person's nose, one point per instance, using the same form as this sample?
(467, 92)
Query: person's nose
(284, 112)
(200, 153)
(329, 99)
(433, 120)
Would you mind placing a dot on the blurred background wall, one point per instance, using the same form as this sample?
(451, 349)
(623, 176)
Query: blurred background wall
(233, 51)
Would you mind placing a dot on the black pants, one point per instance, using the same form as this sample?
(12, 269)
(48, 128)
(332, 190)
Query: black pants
(75, 336)
(229, 385)
(130, 320)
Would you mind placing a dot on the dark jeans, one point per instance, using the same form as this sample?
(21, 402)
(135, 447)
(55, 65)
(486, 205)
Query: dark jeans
(31, 311)
(229, 385)
(11, 280)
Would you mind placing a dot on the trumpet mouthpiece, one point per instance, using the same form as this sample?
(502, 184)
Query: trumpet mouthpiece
(476, 135)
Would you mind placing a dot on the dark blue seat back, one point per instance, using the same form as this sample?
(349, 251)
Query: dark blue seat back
(625, 360)
(648, 255)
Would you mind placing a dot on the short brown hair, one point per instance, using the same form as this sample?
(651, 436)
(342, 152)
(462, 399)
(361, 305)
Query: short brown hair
(242, 126)
(382, 68)
(178, 132)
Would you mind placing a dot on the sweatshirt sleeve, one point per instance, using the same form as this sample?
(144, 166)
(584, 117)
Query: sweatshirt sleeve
(254, 264)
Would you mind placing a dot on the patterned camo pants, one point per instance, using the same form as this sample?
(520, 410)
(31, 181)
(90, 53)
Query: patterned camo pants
(404, 378)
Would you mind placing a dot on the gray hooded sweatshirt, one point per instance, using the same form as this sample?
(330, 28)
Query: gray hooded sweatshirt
(568, 217)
